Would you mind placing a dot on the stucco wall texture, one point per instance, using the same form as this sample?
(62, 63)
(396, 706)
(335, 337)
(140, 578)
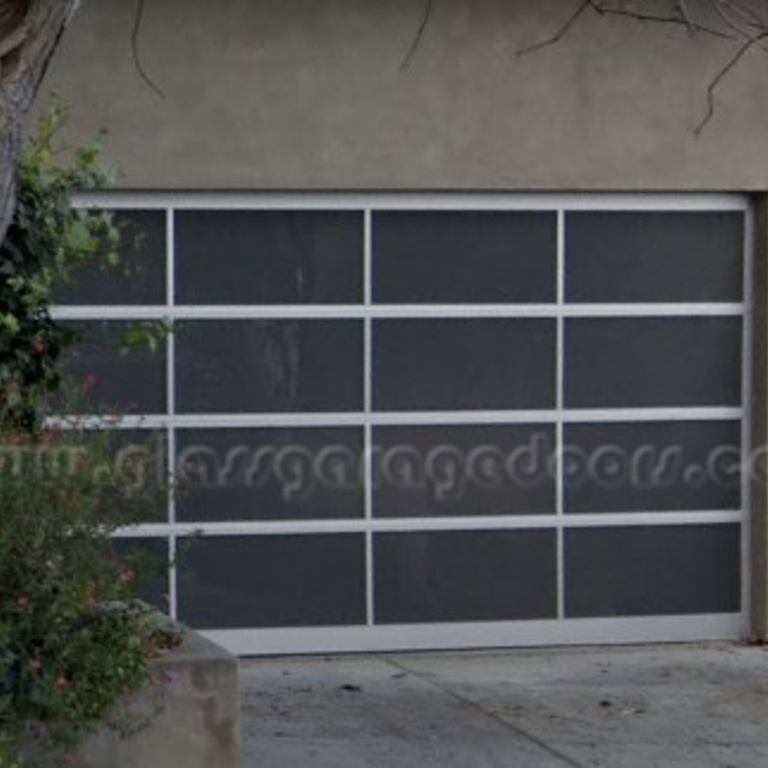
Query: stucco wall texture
(311, 94)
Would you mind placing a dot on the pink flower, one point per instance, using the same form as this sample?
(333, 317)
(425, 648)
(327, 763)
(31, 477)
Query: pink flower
(171, 676)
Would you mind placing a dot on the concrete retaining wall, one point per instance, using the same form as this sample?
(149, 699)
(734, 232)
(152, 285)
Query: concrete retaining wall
(197, 725)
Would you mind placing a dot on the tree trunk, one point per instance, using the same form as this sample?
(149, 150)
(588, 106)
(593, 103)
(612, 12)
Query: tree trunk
(29, 33)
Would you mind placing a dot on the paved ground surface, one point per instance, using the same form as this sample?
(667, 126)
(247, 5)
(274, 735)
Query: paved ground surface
(689, 705)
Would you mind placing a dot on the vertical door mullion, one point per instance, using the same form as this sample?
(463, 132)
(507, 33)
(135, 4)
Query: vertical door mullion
(170, 252)
(368, 407)
(560, 407)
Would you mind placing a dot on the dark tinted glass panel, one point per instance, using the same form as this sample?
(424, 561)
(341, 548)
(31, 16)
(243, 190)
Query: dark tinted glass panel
(112, 376)
(653, 362)
(270, 474)
(654, 256)
(652, 571)
(269, 366)
(451, 256)
(457, 576)
(269, 257)
(652, 466)
(140, 277)
(463, 364)
(463, 470)
(140, 460)
(273, 581)
(149, 560)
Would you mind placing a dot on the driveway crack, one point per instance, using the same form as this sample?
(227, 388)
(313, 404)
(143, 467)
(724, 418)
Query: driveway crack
(472, 704)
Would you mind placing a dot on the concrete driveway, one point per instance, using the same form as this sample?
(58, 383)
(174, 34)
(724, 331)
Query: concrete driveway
(679, 705)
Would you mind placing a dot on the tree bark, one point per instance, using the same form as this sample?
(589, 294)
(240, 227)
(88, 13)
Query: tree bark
(29, 33)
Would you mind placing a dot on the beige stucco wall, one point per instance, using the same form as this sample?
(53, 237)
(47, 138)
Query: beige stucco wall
(309, 94)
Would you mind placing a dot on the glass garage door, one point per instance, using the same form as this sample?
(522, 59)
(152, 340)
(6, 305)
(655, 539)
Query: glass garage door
(409, 421)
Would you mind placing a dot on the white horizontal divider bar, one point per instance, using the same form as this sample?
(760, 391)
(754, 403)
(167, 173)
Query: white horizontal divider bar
(405, 418)
(382, 201)
(415, 524)
(681, 413)
(395, 311)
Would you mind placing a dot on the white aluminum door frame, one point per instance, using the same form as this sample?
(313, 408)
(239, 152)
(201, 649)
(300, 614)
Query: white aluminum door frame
(557, 631)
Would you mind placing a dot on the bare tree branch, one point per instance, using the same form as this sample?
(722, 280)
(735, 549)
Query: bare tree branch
(561, 33)
(720, 76)
(419, 35)
(739, 21)
(682, 20)
(607, 10)
(135, 33)
(682, 6)
(739, 29)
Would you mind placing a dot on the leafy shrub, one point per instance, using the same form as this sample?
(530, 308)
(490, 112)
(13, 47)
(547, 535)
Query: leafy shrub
(47, 241)
(72, 639)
